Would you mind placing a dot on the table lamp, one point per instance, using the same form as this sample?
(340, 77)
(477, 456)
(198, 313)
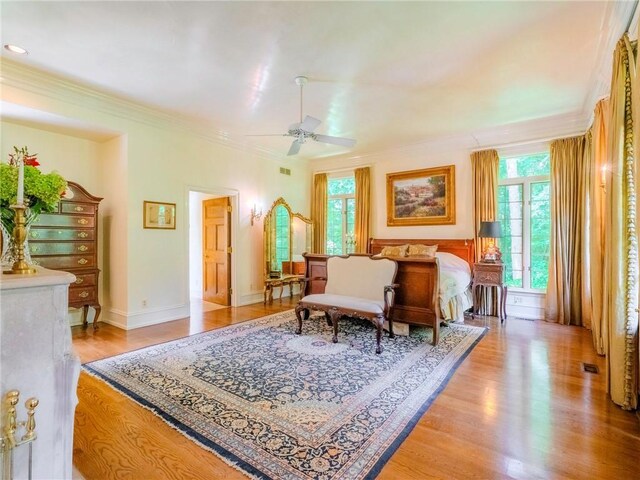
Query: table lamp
(491, 231)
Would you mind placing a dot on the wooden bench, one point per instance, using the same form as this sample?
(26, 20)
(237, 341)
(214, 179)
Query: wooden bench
(356, 286)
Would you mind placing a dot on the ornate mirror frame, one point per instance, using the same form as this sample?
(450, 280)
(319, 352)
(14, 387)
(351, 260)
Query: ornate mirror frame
(270, 238)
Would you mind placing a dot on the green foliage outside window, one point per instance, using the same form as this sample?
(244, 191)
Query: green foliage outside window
(511, 213)
(340, 215)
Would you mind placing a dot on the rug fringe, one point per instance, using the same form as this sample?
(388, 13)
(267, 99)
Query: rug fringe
(184, 434)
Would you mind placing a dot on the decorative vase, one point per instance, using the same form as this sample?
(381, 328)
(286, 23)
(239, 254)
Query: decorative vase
(9, 246)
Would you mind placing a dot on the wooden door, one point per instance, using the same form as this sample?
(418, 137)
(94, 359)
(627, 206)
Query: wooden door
(216, 251)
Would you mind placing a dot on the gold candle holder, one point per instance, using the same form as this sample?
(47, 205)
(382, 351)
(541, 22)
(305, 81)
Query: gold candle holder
(20, 266)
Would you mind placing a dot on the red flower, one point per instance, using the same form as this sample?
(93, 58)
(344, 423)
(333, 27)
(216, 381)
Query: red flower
(31, 160)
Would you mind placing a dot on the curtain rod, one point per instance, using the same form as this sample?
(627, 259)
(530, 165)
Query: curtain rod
(338, 170)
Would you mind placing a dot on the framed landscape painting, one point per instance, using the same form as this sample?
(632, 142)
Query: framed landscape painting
(422, 197)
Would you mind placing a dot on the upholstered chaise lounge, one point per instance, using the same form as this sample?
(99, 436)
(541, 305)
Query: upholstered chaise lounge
(357, 286)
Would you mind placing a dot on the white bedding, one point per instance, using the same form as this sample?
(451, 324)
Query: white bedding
(455, 276)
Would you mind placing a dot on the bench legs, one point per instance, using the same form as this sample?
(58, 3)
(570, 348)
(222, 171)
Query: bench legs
(333, 315)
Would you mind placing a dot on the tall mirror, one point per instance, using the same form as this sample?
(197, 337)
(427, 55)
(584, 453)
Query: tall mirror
(287, 235)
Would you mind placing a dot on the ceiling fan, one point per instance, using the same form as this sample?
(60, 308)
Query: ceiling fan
(303, 130)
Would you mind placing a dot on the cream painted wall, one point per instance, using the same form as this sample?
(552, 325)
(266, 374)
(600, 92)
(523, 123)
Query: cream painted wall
(414, 159)
(158, 158)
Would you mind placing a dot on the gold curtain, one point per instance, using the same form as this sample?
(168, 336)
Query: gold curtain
(620, 239)
(319, 212)
(484, 171)
(363, 208)
(568, 216)
(597, 161)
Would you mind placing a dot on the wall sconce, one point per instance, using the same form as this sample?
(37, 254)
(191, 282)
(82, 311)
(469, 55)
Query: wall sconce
(255, 214)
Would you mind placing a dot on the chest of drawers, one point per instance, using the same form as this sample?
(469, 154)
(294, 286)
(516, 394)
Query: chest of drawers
(68, 240)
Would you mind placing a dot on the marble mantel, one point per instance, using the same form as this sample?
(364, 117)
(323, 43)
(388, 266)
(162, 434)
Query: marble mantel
(37, 358)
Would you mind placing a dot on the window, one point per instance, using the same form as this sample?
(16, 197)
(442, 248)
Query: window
(341, 213)
(525, 214)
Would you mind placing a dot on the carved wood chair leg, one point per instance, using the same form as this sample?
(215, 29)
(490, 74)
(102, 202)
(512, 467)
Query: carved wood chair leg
(379, 323)
(328, 318)
(391, 334)
(334, 314)
(300, 309)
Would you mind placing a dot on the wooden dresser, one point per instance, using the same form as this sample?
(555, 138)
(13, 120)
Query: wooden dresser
(68, 240)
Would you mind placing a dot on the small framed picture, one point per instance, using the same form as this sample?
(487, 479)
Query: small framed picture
(160, 215)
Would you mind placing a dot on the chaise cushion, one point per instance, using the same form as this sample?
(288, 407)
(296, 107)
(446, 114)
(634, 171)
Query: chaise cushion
(345, 302)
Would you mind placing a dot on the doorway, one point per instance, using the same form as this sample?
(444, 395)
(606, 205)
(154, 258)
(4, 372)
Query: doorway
(210, 267)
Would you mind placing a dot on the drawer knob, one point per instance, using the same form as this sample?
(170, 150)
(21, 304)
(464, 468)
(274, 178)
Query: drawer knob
(83, 248)
(84, 294)
(83, 234)
(79, 281)
(78, 208)
(82, 261)
(83, 221)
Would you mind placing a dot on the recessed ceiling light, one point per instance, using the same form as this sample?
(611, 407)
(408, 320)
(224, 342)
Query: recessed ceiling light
(16, 49)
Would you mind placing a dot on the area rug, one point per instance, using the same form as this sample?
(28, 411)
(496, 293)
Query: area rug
(284, 406)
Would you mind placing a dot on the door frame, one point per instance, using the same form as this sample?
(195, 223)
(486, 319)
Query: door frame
(233, 225)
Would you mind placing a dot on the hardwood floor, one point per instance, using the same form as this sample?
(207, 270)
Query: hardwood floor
(520, 406)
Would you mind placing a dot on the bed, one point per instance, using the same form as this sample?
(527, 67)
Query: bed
(431, 290)
(418, 299)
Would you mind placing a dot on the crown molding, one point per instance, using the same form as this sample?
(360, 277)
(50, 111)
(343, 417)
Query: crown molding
(39, 82)
(616, 21)
(510, 135)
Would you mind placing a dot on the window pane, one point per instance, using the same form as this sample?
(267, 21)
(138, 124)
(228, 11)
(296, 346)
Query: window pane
(540, 234)
(351, 220)
(525, 166)
(341, 186)
(510, 207)
(334, 226)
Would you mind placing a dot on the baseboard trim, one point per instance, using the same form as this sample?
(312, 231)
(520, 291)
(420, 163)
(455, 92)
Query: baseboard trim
(146, 318)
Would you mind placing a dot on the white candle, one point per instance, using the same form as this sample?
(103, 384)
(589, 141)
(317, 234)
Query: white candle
(20, 199)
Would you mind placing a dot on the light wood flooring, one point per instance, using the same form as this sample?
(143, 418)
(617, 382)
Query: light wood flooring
(520, 406)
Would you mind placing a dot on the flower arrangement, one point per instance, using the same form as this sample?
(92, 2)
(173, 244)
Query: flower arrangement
(42, 192)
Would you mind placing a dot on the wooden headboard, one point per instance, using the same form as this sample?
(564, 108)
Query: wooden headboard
(463, 248)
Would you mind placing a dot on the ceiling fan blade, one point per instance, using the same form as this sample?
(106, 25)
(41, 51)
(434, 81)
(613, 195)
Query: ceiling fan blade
(295, 148)
(309, 124)
(345, 142)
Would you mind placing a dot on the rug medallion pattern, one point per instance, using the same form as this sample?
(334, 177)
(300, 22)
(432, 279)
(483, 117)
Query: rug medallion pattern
(286, 406)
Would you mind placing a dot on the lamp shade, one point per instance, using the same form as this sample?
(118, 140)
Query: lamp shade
(490, 230)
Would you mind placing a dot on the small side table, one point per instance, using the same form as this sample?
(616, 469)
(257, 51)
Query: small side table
(283, 281)
(490, 275)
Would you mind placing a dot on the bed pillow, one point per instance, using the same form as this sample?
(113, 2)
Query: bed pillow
(399, 251)
(422, 250)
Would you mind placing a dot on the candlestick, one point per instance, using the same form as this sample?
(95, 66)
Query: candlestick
(20, 199)
(20, 266)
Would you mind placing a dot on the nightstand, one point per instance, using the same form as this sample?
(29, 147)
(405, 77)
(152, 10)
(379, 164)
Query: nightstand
(490, 275)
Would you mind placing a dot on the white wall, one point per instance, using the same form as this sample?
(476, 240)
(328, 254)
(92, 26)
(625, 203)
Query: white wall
(157, 157)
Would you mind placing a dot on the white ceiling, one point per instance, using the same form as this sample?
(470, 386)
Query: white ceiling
(389, 74)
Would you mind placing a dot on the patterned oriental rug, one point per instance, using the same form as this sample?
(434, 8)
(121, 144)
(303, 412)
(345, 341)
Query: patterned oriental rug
(284, 406)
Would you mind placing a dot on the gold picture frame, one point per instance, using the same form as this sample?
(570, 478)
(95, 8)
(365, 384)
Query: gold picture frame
(159, 215)
(422, 197)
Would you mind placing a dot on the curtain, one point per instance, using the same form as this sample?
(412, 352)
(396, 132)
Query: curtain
(484, 171)
(568, 217)
(597, 167)
(620, 239)
(363, 209)
(319, 212)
